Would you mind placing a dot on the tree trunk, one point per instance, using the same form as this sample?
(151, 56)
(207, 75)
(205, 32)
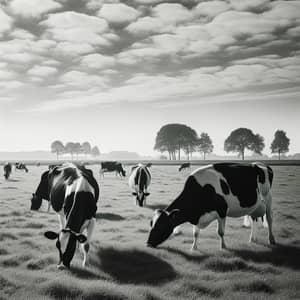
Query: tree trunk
(243, 154)
(204, 155)
(279, 155)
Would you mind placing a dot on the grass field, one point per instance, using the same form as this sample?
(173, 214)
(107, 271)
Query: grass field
(122, 267)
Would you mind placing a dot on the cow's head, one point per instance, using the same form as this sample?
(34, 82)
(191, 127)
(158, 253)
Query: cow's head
(140, 197)
(41, 193)
(66, 241)
(162, 226)
(123, 172)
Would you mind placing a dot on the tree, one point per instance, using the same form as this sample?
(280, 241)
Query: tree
(77, 149)
(58, 148)
(205, 144)
(70, 148)
(86, 148)
(95, 151)
(243, 138)
(173, 138)
(280, 143)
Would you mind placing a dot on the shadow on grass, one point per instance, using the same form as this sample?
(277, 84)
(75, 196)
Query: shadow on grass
(134, 266)
(110, 217)
(13, 180)
(192, 256)
(156, 206)
(85, 273)
(279, 255)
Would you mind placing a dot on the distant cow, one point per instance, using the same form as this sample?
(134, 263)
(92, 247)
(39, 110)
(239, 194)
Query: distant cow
(184, 166)
(73, 192)
(149, 165)
(112, 166)
(21, 166)
(139, 181)
(7, 170)
(214, 192)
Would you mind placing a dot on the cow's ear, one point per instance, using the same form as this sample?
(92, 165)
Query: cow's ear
(134, 193)
(147, 194)
(81, 238)
(51, 235)
(174, 213)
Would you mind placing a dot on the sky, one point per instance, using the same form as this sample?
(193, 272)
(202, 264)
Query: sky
(113, 72)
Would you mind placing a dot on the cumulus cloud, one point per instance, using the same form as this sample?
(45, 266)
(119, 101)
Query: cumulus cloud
(22, 34)
(5, 21)
(42, 71)
(172, 13)
(82, 80)
(211, 8)
(118, 13)
(249, 4)
(97, 61)
(33, 8)
(76, 28)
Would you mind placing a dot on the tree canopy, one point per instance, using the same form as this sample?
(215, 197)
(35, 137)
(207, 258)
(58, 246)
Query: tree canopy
(175, 137)
(57, 147)
(280, 143)
(205, 144)
(243, 138)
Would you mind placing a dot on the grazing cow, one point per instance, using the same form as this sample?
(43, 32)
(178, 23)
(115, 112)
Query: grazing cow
(7, 170)
(214, 192)
(149, 165)
(139, 181)
(184, 166)
(73, 193)
(21, 166)
(112, 166)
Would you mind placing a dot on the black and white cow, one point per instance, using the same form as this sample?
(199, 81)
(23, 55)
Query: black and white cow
(21, 166)
(184, 166)
(139, 181)
(73, 193)
(214, 192)
(7, 170)
(112, 166)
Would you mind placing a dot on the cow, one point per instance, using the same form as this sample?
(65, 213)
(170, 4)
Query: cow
(73, 193)
(184, 166)
(214, 192)
(139, 181)
(7, 170)
(21, 166)
(149, 165)
(112, 166)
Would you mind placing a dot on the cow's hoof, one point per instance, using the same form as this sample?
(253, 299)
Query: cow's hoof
(272, 241)
(61, 267)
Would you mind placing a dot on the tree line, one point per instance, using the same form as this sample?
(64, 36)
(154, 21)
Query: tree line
(74, 148)
(174, 138)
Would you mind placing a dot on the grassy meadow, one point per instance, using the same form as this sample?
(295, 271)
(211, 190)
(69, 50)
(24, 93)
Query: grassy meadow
(122, 267)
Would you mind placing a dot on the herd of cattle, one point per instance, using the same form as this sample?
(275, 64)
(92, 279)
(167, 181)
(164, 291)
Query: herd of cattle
(211, 192)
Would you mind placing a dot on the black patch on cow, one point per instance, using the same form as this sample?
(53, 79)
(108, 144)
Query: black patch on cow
(224, 187)
(242, 181)
(196, 200)
(141, 176)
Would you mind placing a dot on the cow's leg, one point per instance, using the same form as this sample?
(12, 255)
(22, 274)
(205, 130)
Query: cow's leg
(269, 216)
(49, 204)
(221, 232)
(61, 219)
(253, 231)
(86, 246)
(246, 222)
(196, 231)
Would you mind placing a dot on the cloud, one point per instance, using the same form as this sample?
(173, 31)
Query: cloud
(211, 8)
(33, 8)
(147, 25)
(5, 21)
(246, 5)
(42, 71)
(83, 80)
(22, 34)
(172, 13)
(97, 61)
(76, 28)
(118, 13)
(73, 49)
